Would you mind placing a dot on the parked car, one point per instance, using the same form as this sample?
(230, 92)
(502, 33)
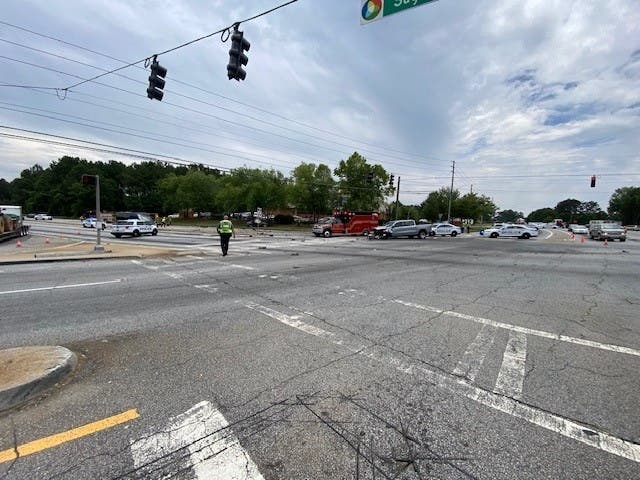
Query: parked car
(578, 229)
(92, 223)
(445, 229)
(516, 231)
(134, 228)
(42, 216)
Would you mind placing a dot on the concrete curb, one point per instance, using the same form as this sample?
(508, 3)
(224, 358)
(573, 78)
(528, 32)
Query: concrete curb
(27, 372)
(67, 259)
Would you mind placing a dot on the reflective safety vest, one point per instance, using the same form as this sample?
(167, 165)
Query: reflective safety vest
(225, 226)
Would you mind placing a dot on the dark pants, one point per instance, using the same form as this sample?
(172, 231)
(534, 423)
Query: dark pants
(224, 242)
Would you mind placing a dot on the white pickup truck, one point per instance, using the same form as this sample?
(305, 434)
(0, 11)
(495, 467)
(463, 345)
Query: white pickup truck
(134, 228)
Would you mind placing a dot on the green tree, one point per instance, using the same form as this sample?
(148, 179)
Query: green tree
(197, 191)
(245, 189)
(474, 206)
(355, 191)
(588, 211)
(5, 191)
(624, 205)
(312, 188)
(436, 205)
(568, 209)
(545, 215)
(509, 216)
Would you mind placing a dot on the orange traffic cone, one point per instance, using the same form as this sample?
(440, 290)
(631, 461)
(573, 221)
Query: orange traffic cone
(581, 239)
(572, 236)
(46, 240)
(18, 244)
(606, 242)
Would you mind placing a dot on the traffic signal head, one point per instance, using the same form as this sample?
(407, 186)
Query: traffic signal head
(369, 177)
(391, 178)
(156, 81)
(88, 179)
(237, 58)
(593, 181)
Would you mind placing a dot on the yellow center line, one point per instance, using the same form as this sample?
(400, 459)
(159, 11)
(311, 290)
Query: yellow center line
(69, 435)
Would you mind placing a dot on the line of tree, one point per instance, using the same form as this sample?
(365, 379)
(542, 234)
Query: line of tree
(624, 206)
(158, 187)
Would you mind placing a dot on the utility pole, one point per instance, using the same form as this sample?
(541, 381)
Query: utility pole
(453, 171)
(98, 247)
(472, 189)
(397, 197)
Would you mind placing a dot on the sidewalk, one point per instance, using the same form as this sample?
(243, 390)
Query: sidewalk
(34, 248)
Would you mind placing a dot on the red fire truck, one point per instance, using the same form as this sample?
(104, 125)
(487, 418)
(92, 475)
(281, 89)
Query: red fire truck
(346, 223)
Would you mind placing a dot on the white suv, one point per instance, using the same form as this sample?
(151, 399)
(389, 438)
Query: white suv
(135, 228)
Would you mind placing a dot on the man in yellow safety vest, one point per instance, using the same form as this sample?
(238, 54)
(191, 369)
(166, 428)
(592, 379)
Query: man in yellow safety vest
(225, 230)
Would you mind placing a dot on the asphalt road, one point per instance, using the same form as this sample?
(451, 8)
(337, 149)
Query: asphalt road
(336, 358)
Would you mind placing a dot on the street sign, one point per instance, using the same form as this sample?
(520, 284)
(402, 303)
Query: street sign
(373, 10)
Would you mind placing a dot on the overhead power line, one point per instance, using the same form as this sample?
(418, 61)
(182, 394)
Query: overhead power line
(173, 49)
(173, 79)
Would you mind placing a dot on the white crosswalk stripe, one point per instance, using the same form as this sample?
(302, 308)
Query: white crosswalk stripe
(473, 357)
(197, 444)
(511, 377)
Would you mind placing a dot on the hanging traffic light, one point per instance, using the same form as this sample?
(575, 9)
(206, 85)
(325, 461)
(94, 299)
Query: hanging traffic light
(156, 80)
(593, 181)
(369, 177)
(237, 58)
(391, 180)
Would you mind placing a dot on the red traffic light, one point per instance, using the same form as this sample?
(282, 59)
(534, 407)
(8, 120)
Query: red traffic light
(593, 181)
(88, 179)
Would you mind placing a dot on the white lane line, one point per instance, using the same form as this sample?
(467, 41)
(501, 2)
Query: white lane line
(474, 356)
(214, 450)
(60, 287)
(511, 376)
(555, 423)
(525, 330)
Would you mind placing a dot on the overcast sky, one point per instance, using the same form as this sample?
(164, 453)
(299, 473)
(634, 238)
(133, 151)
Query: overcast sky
(521, 94)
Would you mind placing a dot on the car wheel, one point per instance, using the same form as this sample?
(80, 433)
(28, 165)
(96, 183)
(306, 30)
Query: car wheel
(117, 235)
(526, 236)
(622, 239)
(327, 233)
(454, 233)
(136, 233)
(432, 234)
(365, 233)
(422, 235)
(154, 232)
(494, 235)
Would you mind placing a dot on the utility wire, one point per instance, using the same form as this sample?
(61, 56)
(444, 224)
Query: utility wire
(235, 112)
(191, 42)
(215, 94)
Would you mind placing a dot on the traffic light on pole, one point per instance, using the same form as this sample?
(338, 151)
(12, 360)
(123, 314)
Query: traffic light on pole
(237, 58)
(593, 181)
(156, 80)
(88, 179)
(369, 177)
(391, 180)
